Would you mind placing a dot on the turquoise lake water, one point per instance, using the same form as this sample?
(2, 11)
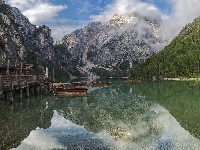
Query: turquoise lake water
(121, 116)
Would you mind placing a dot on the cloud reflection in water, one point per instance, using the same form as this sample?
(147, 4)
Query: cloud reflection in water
(144, 125)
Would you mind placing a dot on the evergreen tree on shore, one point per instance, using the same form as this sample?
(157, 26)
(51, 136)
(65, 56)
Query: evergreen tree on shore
(181, 58)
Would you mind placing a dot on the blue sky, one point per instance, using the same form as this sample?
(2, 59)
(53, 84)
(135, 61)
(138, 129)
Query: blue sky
(65, 16)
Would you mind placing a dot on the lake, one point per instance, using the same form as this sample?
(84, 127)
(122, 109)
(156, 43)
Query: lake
(121, 116)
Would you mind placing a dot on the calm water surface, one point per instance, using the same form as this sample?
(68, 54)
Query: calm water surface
(122, 116)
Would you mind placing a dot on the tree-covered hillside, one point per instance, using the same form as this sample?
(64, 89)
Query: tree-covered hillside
(181, 58)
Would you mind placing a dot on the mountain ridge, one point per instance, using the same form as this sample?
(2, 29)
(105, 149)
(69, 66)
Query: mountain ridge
(181, 58)
(116, 45)
(98, 49)
(24, 42)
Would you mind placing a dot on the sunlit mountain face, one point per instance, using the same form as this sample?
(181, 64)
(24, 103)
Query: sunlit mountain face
(117, 45)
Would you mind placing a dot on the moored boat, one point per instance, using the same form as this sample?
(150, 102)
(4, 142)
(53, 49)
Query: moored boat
(146, 80)
(128, 80)
(58, 85)
(71, 92)
(78, 83)
(100, 83)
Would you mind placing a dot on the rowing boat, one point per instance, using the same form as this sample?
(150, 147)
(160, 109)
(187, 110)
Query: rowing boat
(71, 92)
(79, 83)
(100, 83)
(128, 81)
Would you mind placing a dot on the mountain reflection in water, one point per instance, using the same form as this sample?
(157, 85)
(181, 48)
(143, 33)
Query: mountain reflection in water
(113, 117)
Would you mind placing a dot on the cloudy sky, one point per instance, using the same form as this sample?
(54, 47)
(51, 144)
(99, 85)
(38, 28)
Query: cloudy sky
(65, 16)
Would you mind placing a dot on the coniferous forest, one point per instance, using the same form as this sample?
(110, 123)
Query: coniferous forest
(181, 58)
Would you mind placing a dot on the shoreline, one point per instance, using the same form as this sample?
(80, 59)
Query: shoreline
(181, 79)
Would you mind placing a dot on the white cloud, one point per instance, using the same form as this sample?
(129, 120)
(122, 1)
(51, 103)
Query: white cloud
(126, 7)
(40, 12)
(61, 27)
(99, 1)
(43, 12)
(60, 31)
(86, 6)
(37, 11)
(183, 12)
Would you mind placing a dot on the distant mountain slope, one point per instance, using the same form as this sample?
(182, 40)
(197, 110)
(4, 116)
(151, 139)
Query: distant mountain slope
(20, 36)
(97, 49)
(115, 46)
(24, 42)
(181, 58)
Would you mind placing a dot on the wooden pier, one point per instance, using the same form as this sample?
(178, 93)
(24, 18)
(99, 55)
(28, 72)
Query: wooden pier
(20, 80)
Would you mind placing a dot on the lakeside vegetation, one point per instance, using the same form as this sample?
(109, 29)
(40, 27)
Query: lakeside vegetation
(181, 58)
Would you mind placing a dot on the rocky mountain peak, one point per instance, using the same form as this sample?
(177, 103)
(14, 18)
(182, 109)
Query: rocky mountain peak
(93, 24)
(118, 21)
(21, 39)
(122, 42)
(19, 18)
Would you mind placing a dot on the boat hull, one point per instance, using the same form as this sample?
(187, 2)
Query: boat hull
(99, 83)
(79, 83)
(75, 92)
(70, 94)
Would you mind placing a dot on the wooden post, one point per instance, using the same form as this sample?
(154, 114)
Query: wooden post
(20, 95)
(11, 91)
(20, 89)
(20, 86)
(8, 68)
(37, 89)
(27, 102)
(27, 89)
(14, 94)
(5, 95)
(11, 97)
(21, 69)
(33, 88)
(53, 76)
(0, 83)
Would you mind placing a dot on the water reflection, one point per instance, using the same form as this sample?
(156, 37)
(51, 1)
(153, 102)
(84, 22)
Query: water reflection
(63, 134)
(181, 99)
(117, 117)
(19, 119)
(112, 111)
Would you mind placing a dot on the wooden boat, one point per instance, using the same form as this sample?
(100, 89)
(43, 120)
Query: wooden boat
(100, 83)
(58, 85)
(71, 92)
(128, 81)
(78, 83)
(146, 80)
(137, 80)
